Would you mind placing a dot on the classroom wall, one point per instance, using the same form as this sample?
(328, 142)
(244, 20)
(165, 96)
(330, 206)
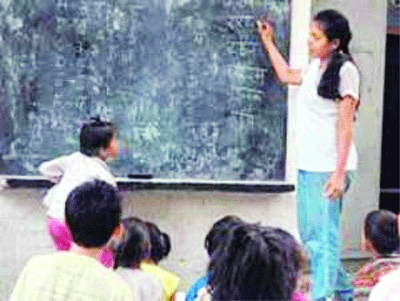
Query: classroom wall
(185, 215)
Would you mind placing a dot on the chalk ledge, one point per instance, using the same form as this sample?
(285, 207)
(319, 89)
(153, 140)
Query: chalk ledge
(13, 181)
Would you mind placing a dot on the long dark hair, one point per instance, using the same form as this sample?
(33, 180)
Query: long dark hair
(335, 26)
(256, 263)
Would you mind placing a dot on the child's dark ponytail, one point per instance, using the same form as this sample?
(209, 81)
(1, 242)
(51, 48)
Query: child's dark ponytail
(166, 244)
(335, 26)
(160, 242)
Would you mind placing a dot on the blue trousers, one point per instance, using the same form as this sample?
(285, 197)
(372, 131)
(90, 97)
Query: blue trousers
(319, 225)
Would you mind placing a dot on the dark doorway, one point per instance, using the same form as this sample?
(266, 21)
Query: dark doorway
(390, 164)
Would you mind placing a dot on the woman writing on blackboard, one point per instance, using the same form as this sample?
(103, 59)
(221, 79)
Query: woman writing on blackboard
(327, 100)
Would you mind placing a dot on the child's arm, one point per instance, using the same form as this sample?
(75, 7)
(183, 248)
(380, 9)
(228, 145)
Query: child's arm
(203, 295)
(285, 74)
(53, 169)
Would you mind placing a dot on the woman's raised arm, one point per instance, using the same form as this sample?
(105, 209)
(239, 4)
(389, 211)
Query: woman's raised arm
(285, 74)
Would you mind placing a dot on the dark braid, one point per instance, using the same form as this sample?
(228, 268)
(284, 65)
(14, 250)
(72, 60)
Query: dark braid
(330, 81)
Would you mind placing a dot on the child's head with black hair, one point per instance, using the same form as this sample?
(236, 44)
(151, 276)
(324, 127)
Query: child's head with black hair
(330, 38)
(255, 263)
(382, 232)
(160, 243)
(135, 245)
(93, 213)
(219, 231)
(98, 138)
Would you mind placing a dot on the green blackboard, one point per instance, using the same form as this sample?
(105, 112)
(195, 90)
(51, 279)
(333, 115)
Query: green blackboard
(186, 82)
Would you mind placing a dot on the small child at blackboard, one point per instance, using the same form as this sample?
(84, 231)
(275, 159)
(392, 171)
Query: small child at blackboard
(98, 141)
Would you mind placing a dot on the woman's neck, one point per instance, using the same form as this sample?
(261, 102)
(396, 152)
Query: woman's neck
(324, 62)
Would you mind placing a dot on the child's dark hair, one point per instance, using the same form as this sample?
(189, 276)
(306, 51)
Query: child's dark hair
(335, 26)
(93, 212)
(257, 263)
(381, 229)
(134, 247)
(160, 243)
(94, 135)
(219, 231)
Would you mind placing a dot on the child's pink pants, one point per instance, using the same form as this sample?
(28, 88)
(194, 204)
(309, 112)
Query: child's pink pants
(62, 240)
(299, 296)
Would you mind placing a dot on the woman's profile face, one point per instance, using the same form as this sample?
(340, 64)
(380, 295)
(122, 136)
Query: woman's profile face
(318, 44)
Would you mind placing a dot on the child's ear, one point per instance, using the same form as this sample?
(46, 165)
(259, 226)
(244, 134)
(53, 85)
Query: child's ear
(103, 153)
(118, 232)
(364, 241)
(366, 245)
(370, 247)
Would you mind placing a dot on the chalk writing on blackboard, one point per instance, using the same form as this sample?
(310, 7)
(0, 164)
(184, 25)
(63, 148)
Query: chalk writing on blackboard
(186, 82)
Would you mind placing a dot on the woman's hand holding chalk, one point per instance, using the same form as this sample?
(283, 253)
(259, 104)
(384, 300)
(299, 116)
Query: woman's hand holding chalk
(260, 25)
(265, 29)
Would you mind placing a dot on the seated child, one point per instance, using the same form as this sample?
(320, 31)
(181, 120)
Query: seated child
(382, 239)
(160, 248)
(98, 141)
(387, 289)
(255, 263)
(92, 213)
(130, 252)
(215, 236)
